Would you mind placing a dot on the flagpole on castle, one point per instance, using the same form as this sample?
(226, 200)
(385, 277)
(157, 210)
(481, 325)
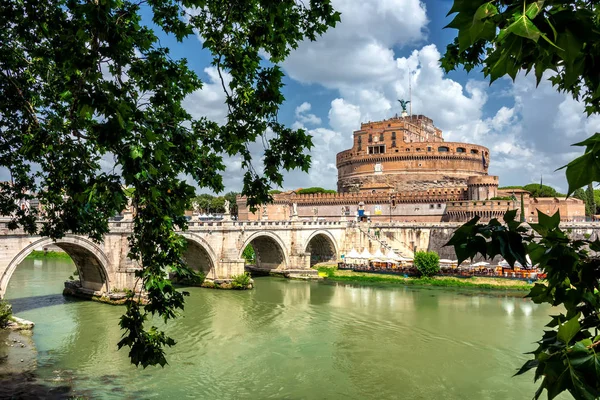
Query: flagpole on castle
(410, 92)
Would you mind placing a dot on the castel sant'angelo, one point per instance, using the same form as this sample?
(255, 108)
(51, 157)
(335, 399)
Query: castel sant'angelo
(401, 169)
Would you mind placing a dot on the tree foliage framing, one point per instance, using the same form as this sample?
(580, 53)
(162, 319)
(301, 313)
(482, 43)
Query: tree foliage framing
(84, 83)
(560, 40)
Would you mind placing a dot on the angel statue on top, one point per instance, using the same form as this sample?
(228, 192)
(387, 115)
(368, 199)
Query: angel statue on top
(403, 104)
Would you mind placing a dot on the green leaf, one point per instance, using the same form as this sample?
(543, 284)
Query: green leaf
(522, 26)
(549, 222)
(66, 95)
(509, 216)
(534, 9)
(583, 170)
(136, 152)
(85, 111)
(569, 329)
(571, 46)
(527, 366)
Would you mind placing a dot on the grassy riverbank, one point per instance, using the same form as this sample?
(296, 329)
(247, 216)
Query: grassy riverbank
(333, 274)
(40, 255)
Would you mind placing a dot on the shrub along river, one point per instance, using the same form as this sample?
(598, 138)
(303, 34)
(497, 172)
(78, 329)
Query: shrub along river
(287, 339)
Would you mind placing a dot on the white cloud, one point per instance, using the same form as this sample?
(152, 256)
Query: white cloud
(344, 116)
(359, 48)
(209, 101)
(528, 133)
(304, 117)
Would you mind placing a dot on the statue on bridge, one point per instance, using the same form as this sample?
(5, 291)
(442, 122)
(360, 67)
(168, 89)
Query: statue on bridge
(227, 207)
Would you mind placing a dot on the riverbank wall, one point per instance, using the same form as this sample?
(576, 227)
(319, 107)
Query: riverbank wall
(406, 239)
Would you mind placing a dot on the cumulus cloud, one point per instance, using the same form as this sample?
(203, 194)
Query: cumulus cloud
(305, 117)
(528, 132)
(360, 48)
(209, 101)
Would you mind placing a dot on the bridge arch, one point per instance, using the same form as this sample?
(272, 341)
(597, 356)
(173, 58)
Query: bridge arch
(89, 259)
(269, 249)
(200, 256)
(322, 247)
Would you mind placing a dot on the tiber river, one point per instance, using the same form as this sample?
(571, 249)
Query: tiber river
(289, 340)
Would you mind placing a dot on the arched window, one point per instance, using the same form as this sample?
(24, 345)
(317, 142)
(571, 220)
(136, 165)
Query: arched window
(474, 151)
(461, 150)
(443, 148)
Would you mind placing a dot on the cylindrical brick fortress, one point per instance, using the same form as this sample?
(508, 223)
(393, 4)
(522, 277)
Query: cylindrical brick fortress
(407, 154)
(482, 187)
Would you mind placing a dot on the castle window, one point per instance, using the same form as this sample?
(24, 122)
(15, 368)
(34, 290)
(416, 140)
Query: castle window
(407, 149)
(431, 206)
(381, 137)
(428, 148)
(443, 149)
(393, 143)
(393, 135)
(359, 139)
(461, 150)
(376, 149)
(417, 149)
(474, 151)
(359, 147)
(389, 125)
(439, 206)
(370, 138)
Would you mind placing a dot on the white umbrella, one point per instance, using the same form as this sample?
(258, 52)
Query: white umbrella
(353, 254)
(504, 263)
(480, 264)
(378, 254)
(392, 255)
(365, 254)
(377, 260)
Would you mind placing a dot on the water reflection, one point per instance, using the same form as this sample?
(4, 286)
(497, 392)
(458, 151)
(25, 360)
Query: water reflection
(290, 339)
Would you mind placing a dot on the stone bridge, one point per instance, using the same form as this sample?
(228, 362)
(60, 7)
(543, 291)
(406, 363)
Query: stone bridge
(215, 248)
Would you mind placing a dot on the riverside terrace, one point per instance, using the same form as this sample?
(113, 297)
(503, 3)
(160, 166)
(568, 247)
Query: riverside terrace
(215, 248)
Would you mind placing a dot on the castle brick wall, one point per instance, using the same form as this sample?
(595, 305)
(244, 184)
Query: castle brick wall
(407, 154)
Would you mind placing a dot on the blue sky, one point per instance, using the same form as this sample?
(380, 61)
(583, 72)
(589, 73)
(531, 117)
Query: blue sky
(355, 72)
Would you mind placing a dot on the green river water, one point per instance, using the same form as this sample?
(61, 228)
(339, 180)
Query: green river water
(289, 339)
